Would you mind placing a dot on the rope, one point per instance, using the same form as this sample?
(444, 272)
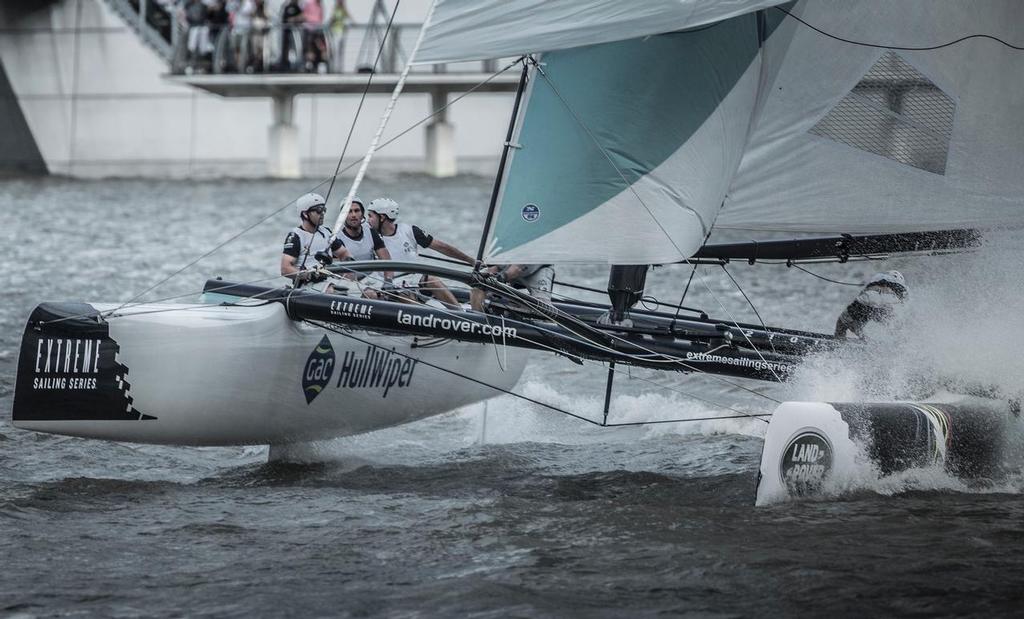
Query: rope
(386, 117)
(323, 182)
(834, 281)
(896, 47)
(741, 330)
(520, 396)
(751, 304)
(359, 108)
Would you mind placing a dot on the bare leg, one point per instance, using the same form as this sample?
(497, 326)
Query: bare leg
(441, 292)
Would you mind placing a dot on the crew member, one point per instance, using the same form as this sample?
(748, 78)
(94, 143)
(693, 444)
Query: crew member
(403, 242)
(877, 302)
(513, 274)
(308, 239)
(363, 242)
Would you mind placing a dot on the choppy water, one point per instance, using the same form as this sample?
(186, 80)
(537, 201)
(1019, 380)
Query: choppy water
(511, 511)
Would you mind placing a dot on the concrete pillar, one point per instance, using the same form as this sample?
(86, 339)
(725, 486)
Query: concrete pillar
(440, 139)
(283, 140)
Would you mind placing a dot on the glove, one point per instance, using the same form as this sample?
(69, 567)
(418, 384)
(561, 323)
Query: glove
(323, 257)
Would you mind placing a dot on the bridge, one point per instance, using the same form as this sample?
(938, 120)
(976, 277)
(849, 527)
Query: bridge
(239, 65)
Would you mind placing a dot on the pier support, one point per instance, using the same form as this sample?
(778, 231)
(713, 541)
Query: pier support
(440, 138)
(283, 140)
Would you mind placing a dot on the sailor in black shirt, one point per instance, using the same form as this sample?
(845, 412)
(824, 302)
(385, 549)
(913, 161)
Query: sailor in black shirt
(301, 246)
(876, 303)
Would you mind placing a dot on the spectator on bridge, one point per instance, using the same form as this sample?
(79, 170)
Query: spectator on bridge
(198, 43)
(313, 36)
(260, 27)
(339, 19)
(240, 14)
(291, 35)
(217, 19)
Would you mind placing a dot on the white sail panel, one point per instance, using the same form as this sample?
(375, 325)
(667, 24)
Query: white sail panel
(854, 139)
(481, 29)
(624, 150)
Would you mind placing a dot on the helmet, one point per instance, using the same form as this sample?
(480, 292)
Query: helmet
(891, 277)
(892, 280)
(345, 208)
(384, 206)
(308, 201)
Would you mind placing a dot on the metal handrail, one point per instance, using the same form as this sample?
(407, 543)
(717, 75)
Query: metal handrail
(283, 49)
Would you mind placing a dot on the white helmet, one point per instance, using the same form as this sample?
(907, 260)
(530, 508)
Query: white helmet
(892, 277)
(308, 201)
(345, 208)
(384, 206)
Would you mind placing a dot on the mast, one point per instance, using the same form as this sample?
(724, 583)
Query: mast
(501, 165)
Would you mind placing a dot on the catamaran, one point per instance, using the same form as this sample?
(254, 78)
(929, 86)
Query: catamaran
(879, 127)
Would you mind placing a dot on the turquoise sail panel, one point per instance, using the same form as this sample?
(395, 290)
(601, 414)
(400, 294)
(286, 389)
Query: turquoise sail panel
(648, 129)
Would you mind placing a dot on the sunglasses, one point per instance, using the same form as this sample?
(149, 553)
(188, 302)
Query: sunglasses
(317, 209)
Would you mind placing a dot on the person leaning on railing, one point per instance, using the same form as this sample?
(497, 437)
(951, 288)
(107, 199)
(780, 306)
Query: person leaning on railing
(336, 26)
(313, 36)
(291, 20)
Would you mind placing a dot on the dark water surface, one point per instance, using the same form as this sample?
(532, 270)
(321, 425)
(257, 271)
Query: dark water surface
(503, 510)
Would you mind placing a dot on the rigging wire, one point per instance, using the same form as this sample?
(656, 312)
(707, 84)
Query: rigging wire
(651, 300)
(650, 356)
(897, 47)
(834, 281)
(113, 313)
(362, 99)
(552, 407)
(741, 329)
(386, 117)
(386, 143)
(751, 304)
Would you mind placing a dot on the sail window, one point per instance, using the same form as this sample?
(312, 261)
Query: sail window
(896, 112)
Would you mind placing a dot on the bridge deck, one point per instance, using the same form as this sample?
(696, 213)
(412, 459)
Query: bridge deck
(295, 84)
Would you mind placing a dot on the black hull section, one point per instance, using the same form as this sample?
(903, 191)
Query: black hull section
(970, 441)
(818, 448)
(707, 347)
(68, 369)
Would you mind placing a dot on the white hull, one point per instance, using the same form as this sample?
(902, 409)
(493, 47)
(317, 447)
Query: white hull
(215, 375)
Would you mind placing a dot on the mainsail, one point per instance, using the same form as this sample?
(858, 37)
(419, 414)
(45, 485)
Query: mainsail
(631, 145)
(857, 139)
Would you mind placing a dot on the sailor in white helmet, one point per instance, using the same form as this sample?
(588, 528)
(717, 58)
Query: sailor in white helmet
(309, 238)
(362, 242)
(876, 302)
(404, 241)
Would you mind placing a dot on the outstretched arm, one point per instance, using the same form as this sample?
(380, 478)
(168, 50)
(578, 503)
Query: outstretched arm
(384, 254)
(451, 251)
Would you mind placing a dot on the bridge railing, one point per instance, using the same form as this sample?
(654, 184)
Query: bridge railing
(298, 49)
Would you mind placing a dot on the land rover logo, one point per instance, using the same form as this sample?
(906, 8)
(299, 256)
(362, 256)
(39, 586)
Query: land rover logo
(531, 212)
(806, 463)
(318, 370)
